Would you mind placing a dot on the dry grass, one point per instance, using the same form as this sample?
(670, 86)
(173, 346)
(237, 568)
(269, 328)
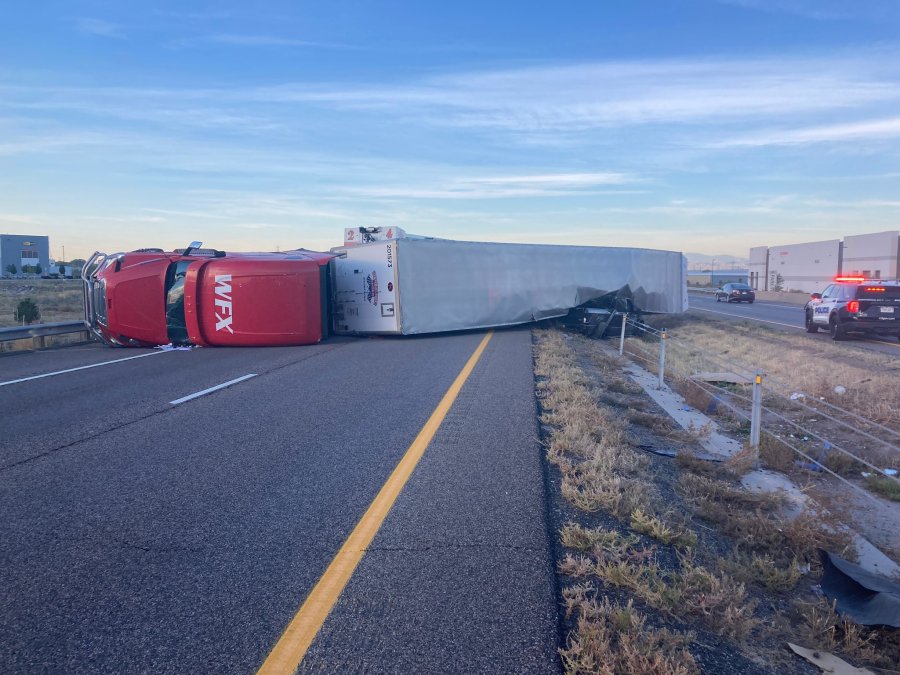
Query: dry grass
(659, 529)
(610, 639)
(763, 571)
(691, 591)
(775, 454)
(755, 522)
(590, 444)
(600, 470)
(884, 486)
(57, 299)
(598, 540)
(819, 626)
(710, 346)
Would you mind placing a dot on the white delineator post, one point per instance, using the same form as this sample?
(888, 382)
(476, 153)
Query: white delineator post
(622, 336)
(662, 358)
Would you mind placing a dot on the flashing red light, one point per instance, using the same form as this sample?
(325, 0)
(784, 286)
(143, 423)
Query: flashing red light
(849, 278)
(853, 306)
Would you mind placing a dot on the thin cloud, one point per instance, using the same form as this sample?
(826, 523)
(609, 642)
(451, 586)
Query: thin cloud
(100, 28)
(558, 102)
(879, 129)
(571, 180)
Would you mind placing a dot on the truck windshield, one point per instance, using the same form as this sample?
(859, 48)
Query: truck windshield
(175, 322)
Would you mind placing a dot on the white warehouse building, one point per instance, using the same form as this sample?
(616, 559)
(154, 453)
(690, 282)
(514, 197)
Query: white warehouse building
(810, 266)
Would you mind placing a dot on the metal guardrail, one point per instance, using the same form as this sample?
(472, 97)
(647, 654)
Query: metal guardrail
(39, 331)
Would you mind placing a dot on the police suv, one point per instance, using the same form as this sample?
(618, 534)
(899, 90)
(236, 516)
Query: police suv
(854, 305)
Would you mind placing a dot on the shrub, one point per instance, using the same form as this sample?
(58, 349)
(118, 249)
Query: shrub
(27, 312)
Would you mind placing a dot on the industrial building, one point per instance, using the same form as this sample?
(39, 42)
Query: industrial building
(717, 278)
(810, 266)
(26, 253)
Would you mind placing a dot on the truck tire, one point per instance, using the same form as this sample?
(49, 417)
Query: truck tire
(810, 326)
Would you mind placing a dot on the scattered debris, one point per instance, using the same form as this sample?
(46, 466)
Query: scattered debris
(867, 598)
(828, 663)
(796, 396)
(840, 390)
(172, 348)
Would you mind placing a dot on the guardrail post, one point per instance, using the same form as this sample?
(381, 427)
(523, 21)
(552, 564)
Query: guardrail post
(622, 336)
(662, 358)
(756, 413)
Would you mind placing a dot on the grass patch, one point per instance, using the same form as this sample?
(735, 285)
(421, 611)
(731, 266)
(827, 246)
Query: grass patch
(611, 638)
(885, 486)
(763, 571)
(657, 528)
(691, 591)
(821, 627)
(57, 299)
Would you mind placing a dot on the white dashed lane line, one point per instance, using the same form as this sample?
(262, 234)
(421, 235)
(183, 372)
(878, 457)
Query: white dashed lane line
(72, 370)
(190, 397)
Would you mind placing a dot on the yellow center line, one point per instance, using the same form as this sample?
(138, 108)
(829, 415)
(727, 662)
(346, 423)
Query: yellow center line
(291, 647)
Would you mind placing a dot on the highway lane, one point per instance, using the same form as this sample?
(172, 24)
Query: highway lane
(71, 401)
(778, 316)
(184, 538)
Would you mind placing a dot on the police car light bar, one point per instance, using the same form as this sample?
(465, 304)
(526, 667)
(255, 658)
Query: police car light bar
(859, 279)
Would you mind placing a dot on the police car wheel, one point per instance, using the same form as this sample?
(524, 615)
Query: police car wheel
(837, 332)
(718, 299)
(810, 326)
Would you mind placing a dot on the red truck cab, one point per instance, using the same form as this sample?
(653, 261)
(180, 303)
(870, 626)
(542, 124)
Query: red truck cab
(151, 297)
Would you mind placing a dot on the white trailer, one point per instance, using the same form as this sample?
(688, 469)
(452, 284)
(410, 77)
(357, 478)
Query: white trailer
(415, 285)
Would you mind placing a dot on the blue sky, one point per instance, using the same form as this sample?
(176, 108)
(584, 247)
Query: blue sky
(694, 125)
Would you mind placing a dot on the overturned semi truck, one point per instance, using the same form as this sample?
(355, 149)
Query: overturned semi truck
(381, 281)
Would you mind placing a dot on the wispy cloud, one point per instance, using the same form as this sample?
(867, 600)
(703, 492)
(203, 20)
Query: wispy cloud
(570, 180)
(879, 129)
(100, 27)
(555, 105)
(503, 187)
(582, 97)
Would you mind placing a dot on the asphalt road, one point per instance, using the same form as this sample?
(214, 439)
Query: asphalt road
(778, 316)
(138, 535)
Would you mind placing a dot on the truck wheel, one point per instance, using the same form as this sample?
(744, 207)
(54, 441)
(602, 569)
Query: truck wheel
(837, 332)
(810, 326)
